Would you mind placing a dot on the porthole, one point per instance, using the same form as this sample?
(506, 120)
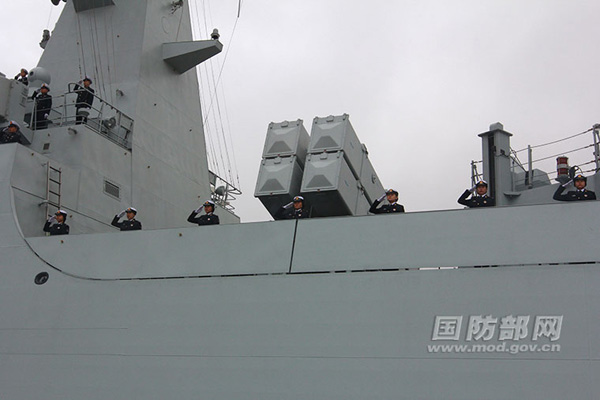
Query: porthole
(41, 278)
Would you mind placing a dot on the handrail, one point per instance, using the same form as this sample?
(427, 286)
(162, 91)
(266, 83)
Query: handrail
(223, 192)
(529, 166)
(102, 117)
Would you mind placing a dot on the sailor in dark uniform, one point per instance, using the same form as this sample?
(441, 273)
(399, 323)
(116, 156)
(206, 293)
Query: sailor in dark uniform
(56, 224)
(22, 77)
(580, 194)
(131, 224)
(11, 134)
(292, 210)
(478, 199)
(209, 218)
(85, 98)
(392, 207)
(43, 105)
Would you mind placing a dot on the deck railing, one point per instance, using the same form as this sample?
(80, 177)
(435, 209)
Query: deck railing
(102, 117)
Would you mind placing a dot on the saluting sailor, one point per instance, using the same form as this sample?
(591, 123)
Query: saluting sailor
(479, 196)
(131, 224)
(56, 224)
(581, 193)
(209, 218)
(11, 134)
(392, 207)
(292, 210)
(22, 77)
(43, 106)
(85, 98)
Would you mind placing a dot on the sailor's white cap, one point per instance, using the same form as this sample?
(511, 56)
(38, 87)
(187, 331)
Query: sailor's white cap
(44, 86)
(481, 183)
(132, 210)
(298, 199)
(14, 123)
(87, 78)
(209, 203)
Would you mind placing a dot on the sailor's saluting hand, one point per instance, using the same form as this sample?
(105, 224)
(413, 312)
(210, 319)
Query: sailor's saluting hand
(479, 196)
(209, 218)
(56, 224)
(289, 205)
(392, 207)
(129, 223)
(567, 183)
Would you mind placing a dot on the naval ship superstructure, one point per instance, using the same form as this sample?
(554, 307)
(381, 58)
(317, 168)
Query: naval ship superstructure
(495, 303)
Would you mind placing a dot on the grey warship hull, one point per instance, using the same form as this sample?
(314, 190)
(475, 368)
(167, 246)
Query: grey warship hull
(330, 308)
(497, 303)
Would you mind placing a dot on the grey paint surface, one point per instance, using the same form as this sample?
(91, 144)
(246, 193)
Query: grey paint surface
(497, 236)
(335, 133)
(185, 324)
(183, 56)
(167, 167)
(287, 138)
(302, 335)
(183, 252)
(346, 335)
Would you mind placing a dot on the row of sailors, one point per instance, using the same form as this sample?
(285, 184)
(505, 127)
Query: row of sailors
(43, 105)
(43, 99)
(475, 197)
(56, 224)
(479, 197)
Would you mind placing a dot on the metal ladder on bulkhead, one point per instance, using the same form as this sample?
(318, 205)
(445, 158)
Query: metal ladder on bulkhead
(53, 187)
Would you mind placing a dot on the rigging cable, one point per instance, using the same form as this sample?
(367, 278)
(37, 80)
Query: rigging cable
(179, 26)
(94, 60)
(213, 91)
(557, 141)
(108, 69)
(221, 168)
(49, 16)
(211, 151)
(224, 59)
(235, 168)
(114, 56)
(229, 163)
(560, 154)
(217, 127)
(80, 53)
(97, 54)
(217, 81)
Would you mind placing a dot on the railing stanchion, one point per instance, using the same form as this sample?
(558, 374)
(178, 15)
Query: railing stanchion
(530, 167)
(596, 134)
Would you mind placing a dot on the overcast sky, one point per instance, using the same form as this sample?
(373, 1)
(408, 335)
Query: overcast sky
(419, 79)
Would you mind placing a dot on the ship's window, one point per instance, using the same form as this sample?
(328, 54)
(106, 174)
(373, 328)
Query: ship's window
(46, 147)
(111, 189)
